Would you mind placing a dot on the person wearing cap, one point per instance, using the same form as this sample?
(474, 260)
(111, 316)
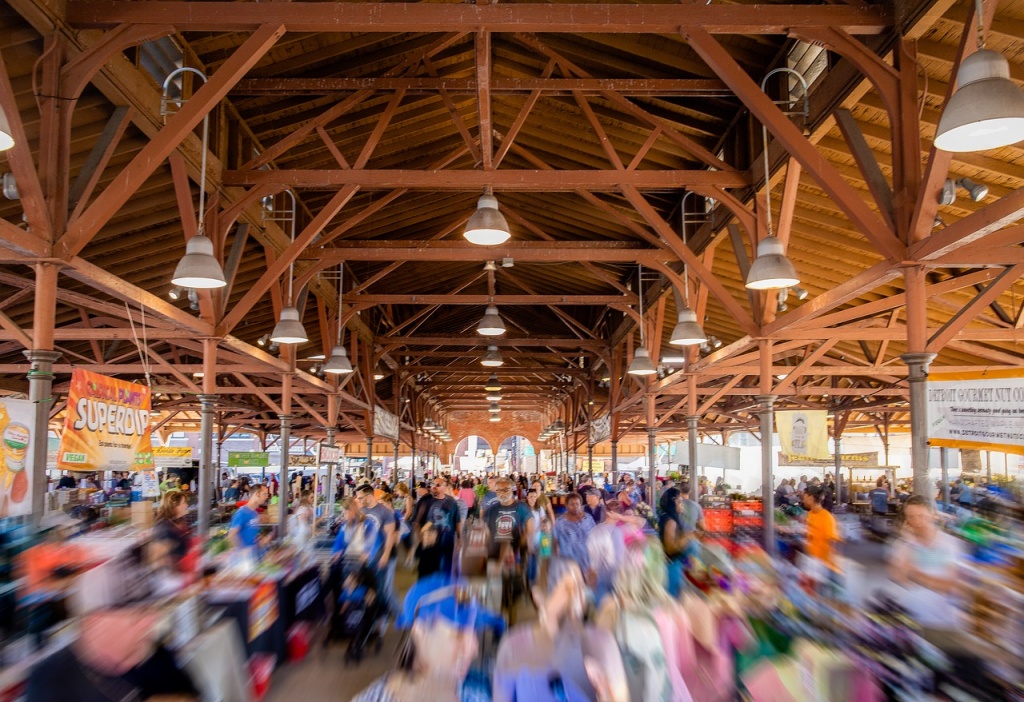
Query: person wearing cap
(442, 647)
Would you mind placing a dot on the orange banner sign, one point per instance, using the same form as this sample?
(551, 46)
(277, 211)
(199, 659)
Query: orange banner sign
(107, 425)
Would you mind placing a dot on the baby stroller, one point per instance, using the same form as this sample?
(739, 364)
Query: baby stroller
(357, 613)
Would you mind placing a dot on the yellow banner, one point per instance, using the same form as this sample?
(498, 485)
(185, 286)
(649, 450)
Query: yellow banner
(960, 444)
(107, 425)
(803, 432)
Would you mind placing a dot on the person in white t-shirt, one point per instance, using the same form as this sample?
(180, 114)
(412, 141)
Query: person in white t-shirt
(926, 561)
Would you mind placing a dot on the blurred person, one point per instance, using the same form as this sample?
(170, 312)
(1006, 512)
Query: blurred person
(462, 505)
(467, 494)
(926, 562)
(542, 498)
(117, 656)
(648, 625)
(244, 532)
(490, 497)
(354, 541)
(442, 647)
(879, 498)
(571, 531)
(559, 645)
(231, 494)
(784, 493)
(509, 522)
(675, 539)
(300, 521)
(802, 485)
(822, 532)
(442, 513)
(171, 536)
(595, 506)
(66, 481)
(541, 526)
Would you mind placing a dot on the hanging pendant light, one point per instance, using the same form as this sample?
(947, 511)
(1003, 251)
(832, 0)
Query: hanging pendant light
(378, 373)
(6, 140)
(495, 407)
(987, 109)
(771, 269)
(198, 268)
(338, 363)
(495, 418)
(289, 329)
(487, 226)
(494, 395)
(642, 364)
(492, 382)
(687, 331)
(491, 324)
(492, 359)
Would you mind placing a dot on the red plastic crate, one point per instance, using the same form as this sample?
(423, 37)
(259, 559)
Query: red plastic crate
(718, 520)
(753, 506)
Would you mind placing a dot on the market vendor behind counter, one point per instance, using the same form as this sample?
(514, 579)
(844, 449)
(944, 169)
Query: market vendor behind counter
(245, 529)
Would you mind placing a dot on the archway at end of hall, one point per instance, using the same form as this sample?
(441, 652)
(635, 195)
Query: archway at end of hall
(473, 455)
(516, 454)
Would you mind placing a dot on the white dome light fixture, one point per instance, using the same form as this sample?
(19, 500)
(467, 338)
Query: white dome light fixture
(641, 364)
(339, 363)
(987, 109)
(487, 226)
(491, 323)
(492, 359)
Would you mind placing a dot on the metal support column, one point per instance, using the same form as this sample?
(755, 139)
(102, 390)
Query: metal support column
(615, 463)
(767, 416)
(332, 469)
(838, 458)
(917, 375)
(652, 466)
(590, 460)
(282, 499)
(207, 409)
(40, 384)
(396, 461)
(691, 436)
(944, 465)
(368, 469)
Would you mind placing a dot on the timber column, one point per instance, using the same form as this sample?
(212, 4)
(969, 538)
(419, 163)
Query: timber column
(691, 436)
(207, 473)
(766, 413)
(40, 385)
(917, 375)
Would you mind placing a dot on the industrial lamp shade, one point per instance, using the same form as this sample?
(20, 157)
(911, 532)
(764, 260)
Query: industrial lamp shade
(338, 363)
(987, 109)
(495, 407)
(492, 383)
(487, 226)
(687, 331)
(289, 329)
(492, 359)
(771, 269)
(495, 418)
(198, 268)
(6, 140)
(494, 395)
(491, 324)
(642, 363)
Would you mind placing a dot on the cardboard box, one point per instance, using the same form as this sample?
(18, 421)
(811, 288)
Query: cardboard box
(143, 514)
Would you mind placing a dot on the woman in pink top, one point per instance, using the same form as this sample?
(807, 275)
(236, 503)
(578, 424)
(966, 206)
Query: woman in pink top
(466, 493)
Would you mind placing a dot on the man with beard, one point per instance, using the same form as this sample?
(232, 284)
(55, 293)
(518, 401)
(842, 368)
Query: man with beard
(509, 522)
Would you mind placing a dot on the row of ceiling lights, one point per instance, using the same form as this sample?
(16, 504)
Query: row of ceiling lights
(552, 430)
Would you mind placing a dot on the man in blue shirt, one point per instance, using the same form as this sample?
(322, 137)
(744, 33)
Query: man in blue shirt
(879, 498)
(245, 529)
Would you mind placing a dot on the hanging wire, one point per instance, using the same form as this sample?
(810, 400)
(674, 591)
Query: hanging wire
(291, 266)
(341, 288)
(165, 100)
(640, 284)
(764, 134)
(143, 356)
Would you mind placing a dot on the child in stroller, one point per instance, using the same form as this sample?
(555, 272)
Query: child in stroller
(357, 613)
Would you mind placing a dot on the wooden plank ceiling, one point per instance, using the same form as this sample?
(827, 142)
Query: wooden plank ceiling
(591, 138)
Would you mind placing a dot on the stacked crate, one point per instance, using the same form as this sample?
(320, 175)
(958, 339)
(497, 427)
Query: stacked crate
(748, 525)
(718, 521)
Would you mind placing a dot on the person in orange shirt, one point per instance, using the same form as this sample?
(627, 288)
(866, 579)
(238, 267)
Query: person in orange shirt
(822, 530)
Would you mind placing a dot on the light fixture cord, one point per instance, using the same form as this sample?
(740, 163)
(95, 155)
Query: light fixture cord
(291, 266)
(981, 23)
(201, 224)
(767, 178)
(686, 268)
(341, 288)
(640, 284)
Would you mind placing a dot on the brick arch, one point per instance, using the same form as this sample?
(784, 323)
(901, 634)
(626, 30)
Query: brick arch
(517, 422)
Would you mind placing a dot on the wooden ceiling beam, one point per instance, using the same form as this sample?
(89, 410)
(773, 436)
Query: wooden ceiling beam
(540, 17)
(530, 299)
(668, 87)
(519, 251)
(522, 180)
(390, 342)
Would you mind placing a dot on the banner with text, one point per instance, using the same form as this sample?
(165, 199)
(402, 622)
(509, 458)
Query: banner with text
(867, 459)
(977, 413)
(301, 459)
(600, 429)
(330, 454)
(107, 425)
(17, 419)
(248, 459)
(803, 432)
(172, 456)
(385, 424)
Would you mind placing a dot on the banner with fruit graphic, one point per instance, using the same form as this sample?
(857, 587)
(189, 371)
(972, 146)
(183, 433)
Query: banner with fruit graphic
(107, 425)
(17, 418)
